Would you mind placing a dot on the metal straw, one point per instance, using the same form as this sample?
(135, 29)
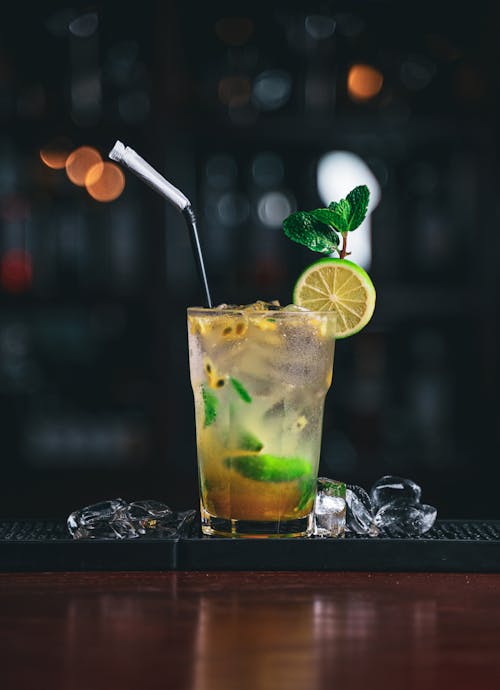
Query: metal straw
(128, 157)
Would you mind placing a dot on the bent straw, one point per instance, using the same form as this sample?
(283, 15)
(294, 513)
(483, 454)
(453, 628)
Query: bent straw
(128, 157)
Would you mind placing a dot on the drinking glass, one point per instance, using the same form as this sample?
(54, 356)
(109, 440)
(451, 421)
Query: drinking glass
(259, 379)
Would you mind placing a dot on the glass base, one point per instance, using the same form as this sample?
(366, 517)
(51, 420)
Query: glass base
(221, 527)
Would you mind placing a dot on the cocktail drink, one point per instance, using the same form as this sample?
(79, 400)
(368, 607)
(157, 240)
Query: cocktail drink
(259, 376)
(260, 373)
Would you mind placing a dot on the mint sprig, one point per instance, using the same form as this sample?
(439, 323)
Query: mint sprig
(303, 227)
(321, 229)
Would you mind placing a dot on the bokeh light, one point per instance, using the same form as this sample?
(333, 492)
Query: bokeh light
(105, 181)
(16, 271)
(273, 207)
(272, 89)
(79, 163)
(320, 26)
(55, 153)
(364, 82)
(85, 25)
(232, 209)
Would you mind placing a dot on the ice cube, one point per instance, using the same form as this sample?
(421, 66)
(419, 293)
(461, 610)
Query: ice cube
(184, 519)
(262, 305)
(359, 514)
(152, 516)
(294, 308)
(104, 520)
(117, 519)
(408, 519)
(329, 508)
(389, 488)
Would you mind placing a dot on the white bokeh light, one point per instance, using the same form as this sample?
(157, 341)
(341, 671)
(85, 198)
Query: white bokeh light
(273, 207)
(337, 174)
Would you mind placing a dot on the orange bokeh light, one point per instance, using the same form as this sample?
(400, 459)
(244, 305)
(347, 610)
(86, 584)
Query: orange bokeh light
(55, 153)
(104, 181)
(364, 82)
(79, 163)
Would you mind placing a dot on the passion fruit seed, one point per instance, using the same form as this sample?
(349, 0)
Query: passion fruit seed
(213, 378)
(224, 326)
(234, 330)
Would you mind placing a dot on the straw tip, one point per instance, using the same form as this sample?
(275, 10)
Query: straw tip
(117, 152)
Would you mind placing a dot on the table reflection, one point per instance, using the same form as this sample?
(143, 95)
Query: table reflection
(263, 631)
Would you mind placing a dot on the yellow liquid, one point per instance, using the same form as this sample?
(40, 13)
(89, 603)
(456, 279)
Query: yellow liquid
(226, 493)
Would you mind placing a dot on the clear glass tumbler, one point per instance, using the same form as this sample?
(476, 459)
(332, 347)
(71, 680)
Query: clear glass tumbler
(259, 380)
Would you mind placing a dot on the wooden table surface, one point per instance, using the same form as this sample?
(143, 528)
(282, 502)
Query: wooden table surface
(249, 630)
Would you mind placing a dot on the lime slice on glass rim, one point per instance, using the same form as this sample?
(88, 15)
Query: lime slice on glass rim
(341, 286)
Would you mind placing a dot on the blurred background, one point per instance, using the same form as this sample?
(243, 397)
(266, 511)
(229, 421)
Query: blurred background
(254, 112)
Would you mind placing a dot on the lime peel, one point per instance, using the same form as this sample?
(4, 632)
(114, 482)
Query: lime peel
(269, 468)
(338, 285)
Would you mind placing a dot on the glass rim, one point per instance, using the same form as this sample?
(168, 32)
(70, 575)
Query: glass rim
(211, 311)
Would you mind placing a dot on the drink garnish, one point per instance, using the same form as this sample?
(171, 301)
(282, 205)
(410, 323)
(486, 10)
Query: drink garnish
(304, 228)
(269, 468)
(334, 284)
(241, 390)
(341, 286)
(321, 229)
(210, 403)
(248, 441)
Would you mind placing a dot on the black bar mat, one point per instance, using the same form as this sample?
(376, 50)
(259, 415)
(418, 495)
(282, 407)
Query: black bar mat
(451, 546)
(46, 545)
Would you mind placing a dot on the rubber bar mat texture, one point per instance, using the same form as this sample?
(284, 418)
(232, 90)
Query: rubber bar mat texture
(450, 546)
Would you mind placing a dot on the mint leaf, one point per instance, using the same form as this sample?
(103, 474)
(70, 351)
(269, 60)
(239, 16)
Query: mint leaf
(302, 227)
(350, 212)
(248, 441)
(339, 213)
(211, 403)
(241, 390)
(318, 229)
